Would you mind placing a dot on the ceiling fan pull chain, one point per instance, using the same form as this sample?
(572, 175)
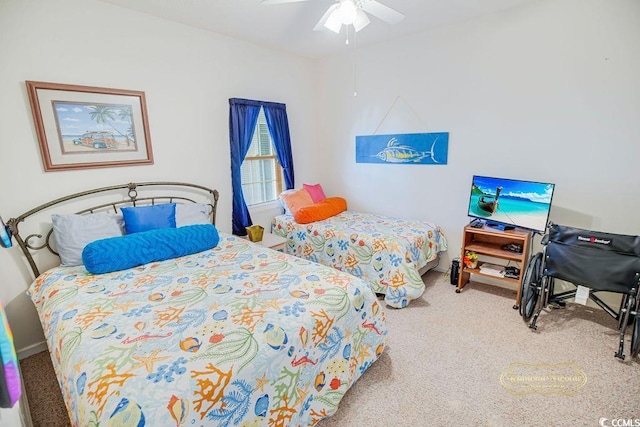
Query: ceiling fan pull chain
(355, 64)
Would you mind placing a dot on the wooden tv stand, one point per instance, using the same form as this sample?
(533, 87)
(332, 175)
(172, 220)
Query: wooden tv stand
(488, 242)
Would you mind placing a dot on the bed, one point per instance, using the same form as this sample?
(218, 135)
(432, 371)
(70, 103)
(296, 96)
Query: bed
(391, 254)
(233, 335)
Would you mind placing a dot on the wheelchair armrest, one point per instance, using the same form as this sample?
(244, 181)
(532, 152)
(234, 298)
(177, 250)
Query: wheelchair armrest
(545, 240)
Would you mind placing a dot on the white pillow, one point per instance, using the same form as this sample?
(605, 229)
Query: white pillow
(192, 213)
(286, 209)
(73, 232)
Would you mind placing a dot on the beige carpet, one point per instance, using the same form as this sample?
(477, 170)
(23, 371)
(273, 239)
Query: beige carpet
(444, 361)
(43, 393)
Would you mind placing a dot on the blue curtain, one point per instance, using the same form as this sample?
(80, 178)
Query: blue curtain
(243, 116)
(276, 115)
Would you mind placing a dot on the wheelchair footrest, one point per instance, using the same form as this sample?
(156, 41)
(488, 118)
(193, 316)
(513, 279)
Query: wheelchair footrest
(557, 304)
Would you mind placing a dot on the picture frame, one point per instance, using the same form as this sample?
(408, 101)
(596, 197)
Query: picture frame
(403, 148)
(82, 127)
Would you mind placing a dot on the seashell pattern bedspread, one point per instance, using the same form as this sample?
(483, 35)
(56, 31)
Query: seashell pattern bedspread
(236, 335)
(387, 252)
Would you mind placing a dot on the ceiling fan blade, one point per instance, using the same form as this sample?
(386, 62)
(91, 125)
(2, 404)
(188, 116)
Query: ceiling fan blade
(280, 1)
(381, 11)
(320, 25)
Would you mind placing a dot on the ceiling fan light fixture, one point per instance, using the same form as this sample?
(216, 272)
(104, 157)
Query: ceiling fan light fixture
(348, 12)
(334, 21)
(362, 20)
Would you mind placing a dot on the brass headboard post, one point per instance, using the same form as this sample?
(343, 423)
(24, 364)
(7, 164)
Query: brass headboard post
(26, 245)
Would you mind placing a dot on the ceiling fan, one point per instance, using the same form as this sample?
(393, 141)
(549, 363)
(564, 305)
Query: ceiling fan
(351, 12)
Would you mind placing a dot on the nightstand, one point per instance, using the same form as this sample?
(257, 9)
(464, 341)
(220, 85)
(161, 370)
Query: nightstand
(273, 241)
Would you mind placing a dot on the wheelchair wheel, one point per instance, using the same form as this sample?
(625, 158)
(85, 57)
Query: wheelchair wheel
(530, 287)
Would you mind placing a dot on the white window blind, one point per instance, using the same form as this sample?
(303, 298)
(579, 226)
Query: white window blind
(260, 172)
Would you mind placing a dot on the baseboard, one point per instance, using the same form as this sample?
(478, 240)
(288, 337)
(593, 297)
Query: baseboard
(23, 353)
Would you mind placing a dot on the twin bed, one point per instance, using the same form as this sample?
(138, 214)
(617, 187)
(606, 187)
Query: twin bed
(232, 335)
(391, 254)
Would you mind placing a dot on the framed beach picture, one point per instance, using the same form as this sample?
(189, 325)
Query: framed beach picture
(82, 127)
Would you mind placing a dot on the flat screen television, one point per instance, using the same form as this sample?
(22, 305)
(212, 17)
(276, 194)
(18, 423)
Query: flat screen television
(510, 202)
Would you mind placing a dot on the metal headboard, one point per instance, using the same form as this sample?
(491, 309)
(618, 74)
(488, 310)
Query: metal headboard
(28, 244)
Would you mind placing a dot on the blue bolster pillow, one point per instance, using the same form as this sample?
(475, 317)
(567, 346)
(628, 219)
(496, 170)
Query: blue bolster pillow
(132, 250)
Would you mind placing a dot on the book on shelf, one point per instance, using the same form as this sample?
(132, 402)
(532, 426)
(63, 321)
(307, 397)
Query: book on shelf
(492, 269)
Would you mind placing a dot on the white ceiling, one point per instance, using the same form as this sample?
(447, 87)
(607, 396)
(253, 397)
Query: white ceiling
(288, 27)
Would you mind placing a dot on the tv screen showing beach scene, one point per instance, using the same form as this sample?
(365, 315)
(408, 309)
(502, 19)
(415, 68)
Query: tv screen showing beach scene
(524, 204)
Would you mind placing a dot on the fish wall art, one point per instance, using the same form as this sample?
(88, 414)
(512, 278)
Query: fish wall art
(407, 148)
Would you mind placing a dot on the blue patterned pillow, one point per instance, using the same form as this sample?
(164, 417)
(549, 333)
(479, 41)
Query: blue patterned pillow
(132, 250)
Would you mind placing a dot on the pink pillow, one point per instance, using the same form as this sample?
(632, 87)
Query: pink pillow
(297, 199)
(315, 191)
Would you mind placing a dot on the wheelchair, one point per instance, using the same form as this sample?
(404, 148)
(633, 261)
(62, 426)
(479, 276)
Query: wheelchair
(599, 261)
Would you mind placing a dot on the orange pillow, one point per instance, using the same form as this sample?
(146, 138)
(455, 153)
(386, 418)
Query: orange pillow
(297, 199)
(322, 210)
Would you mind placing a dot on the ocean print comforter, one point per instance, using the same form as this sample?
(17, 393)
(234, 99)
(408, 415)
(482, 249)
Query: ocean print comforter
(237, 335)
(387, 252)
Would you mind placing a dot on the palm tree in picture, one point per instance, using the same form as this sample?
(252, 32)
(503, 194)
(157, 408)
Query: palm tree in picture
(103, 114)
(131, 135)
(125, 116)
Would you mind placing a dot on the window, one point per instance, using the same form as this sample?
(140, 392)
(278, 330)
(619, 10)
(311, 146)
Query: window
(260, 172)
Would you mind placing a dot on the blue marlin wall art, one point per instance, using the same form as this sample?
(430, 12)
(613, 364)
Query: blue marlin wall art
(406, 149)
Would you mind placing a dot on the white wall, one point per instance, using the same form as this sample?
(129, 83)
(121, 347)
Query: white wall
(548, 92)
(187, 75)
